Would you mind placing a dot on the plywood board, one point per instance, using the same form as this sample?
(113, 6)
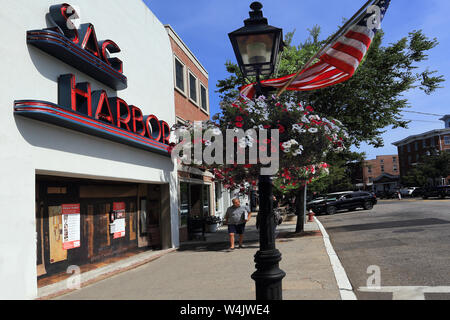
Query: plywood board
(57, 253)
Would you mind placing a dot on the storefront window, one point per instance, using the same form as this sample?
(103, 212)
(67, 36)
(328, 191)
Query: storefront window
(218, 196)
(184, 206)
(206, 200)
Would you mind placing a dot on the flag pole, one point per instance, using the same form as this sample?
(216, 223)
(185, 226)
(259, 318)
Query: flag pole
(325, 47)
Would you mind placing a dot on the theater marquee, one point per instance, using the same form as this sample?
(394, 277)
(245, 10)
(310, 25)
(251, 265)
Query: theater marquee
(79, 108)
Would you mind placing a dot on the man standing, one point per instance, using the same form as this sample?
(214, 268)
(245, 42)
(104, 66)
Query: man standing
(236, 218)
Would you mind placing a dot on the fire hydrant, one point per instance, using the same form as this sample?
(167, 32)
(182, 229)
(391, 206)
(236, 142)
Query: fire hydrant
(311, 215)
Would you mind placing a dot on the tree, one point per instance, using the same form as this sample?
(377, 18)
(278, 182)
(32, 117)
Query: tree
(373, 98)
(367, 103)
(429, 169)
(345, 172)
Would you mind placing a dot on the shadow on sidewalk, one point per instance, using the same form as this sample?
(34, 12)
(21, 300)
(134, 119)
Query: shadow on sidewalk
(219, 241)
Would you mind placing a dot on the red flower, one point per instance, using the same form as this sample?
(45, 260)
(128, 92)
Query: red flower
(239, 119)
(310, 109)
(281, 128)
(248, 166)
(267, 126)
(239, 124)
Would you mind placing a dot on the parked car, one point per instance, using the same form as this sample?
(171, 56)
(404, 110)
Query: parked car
(407, 192)
(343, 201)
(436, 192)
(417, 193)
(387, 195)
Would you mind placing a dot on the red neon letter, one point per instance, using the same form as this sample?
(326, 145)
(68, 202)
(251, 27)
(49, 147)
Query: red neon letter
(122, 112)
(137, 118)
(103, 110)
(165, 133)
(74, 96)
(153, 127)
(109, 46)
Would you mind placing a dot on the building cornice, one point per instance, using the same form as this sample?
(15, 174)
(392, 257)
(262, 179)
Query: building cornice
(186, 50)
(425, 135)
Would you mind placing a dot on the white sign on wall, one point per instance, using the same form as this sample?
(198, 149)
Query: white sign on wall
(71, 226)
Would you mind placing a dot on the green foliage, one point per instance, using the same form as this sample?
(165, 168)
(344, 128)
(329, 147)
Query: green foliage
(345, 169)
(430, 167)
(373, 98)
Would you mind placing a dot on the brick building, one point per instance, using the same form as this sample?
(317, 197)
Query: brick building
(199, 195)
(382, 174)
(191, 82)
(413, 148)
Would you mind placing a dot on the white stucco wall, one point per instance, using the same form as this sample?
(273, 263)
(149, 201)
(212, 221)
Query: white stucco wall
(30, 147)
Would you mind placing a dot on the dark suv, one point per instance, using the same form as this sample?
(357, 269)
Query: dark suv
(438, 192)
(343, 201)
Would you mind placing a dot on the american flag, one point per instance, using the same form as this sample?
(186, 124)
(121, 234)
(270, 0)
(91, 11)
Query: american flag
(341, 58)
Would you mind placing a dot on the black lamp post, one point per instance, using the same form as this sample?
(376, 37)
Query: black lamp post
(257, 46)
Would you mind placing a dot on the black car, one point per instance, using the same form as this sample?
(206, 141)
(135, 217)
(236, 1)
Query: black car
(418, 193)
(436, 192)
(343, 201)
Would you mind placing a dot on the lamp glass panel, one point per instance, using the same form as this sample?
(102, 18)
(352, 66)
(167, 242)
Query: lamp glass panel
(256, 49)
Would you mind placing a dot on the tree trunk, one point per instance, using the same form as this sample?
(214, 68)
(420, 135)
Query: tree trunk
(300, 210)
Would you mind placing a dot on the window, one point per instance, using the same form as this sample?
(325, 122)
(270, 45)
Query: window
(382, 169)
(184, 204)
(416, 146)
(447, 140)
(382, 161)
(409, 159)
(179, 75)
(206, 200)
(218, 193)
(369, 169)
(409, 147)
(370, 180)
(192, 87)
(395, 168)
(203, 98)
(394, 159)
(433, 142)
(424, 143)
(417, 157)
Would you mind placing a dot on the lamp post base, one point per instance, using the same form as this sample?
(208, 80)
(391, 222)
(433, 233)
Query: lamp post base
(268, 276)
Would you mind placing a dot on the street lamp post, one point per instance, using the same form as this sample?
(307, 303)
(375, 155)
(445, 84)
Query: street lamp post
(257, 46)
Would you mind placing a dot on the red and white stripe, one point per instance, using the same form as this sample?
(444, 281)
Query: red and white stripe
(337, 65)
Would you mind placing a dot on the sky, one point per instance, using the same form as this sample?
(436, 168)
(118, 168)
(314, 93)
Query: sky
(204, 26)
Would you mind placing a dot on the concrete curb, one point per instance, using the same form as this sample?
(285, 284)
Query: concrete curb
(344, 285)
(94, 276)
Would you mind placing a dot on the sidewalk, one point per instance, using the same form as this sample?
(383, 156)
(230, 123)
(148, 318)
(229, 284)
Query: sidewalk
(204, 270)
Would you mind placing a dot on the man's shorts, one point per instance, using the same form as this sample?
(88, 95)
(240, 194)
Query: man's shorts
(236, 228)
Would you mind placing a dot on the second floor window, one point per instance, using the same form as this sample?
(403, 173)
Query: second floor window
(203, 98)
(192, 87)
(179, 75)
(447, 140)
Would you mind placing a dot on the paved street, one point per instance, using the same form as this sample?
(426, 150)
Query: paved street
(408, 240)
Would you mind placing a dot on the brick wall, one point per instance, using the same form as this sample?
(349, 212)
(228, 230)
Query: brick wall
(184, 107)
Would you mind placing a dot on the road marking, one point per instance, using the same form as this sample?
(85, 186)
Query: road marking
(344, 285)
(406, 293)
